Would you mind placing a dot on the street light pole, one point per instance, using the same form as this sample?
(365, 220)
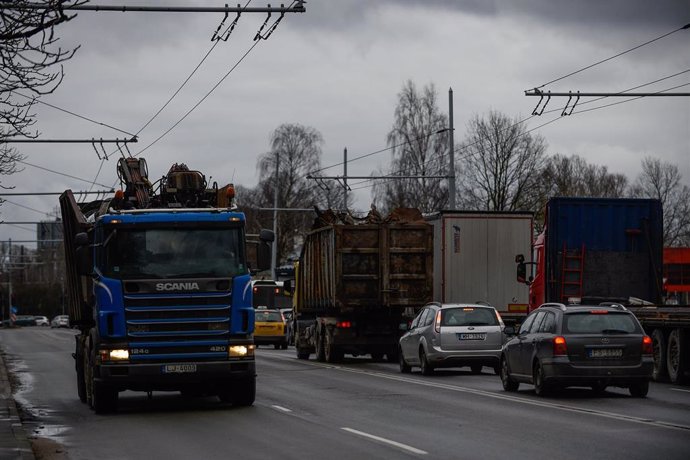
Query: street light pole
(274, 252)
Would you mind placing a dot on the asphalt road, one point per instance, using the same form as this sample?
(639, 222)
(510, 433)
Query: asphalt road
(355, 410)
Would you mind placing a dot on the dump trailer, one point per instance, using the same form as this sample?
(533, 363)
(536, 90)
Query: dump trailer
(358, 284)
(473, 255)
(595, 250)
(159, 288)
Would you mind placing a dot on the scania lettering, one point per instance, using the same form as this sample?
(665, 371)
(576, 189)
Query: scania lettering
(177, 286)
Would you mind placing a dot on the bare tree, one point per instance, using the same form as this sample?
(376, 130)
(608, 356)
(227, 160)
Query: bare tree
(501, 165)
(573, 176)
(662, 181)
(295, 151)
(418, 143)
(31, 60)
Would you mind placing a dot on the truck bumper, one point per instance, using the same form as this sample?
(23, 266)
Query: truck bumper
(175, 376)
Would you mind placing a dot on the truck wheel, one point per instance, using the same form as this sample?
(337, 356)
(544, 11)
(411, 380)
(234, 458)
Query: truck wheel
(104, 398)
(320, 352)
(675, 356)
(659, 351)
(302, 353)
(240, 393)
(81, 383)
(331, 352)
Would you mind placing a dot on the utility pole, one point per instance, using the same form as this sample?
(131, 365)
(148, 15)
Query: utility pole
(451, 153)
(274, 248)
(345, 179)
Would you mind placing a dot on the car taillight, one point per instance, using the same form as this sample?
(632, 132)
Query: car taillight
(437, 322)
(647, 348)
(559, 346)
(343, 324)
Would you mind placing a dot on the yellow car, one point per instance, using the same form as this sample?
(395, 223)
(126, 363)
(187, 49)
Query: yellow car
(270, 328)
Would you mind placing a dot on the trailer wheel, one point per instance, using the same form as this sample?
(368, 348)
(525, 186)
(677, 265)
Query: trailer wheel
(331, 352)
(320, 352)
(675, 356)
(659, 352)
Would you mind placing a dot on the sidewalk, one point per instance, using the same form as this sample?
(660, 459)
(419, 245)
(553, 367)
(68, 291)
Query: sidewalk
(14, 444)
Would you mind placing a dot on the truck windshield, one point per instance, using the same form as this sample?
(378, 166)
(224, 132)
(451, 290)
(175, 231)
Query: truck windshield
(173, 253)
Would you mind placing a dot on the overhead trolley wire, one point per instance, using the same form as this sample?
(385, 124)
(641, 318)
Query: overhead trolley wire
(687, 26)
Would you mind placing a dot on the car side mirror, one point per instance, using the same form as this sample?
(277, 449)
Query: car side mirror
(509, 330)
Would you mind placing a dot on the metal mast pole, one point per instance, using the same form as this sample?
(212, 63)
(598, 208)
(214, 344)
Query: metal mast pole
(274, 253)
(451, 153)
(345, 179)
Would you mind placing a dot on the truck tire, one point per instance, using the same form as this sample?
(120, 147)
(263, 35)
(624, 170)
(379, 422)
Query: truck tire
(676, 358)
(79, 365)
(659, 352)
(320, 352)
(104, 398)
(331, 352)
(302, 353)
(241, 393)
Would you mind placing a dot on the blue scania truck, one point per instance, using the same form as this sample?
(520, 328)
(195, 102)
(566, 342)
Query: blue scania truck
(159, 286)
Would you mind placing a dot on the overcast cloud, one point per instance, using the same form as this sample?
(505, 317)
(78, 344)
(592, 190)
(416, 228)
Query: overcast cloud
(338, 68)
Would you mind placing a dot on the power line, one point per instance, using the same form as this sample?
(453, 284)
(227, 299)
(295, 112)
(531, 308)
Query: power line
(5, 200)
(687, 26)
(628, 100)
(62, 174)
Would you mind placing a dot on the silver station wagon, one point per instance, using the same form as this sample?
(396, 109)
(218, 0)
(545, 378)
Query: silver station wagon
(453, 335)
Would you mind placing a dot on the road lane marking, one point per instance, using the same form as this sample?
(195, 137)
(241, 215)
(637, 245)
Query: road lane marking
(399, 445)
(281, 408)
(680, 389)
(504, 397)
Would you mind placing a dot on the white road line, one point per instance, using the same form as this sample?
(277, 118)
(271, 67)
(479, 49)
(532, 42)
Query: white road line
(399, 445)
(503, 396)
(680, 389)
(281, 408)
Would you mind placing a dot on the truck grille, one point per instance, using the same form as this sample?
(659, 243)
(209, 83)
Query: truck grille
(178, 326)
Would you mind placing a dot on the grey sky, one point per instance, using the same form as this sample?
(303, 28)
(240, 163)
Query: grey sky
(338, 68)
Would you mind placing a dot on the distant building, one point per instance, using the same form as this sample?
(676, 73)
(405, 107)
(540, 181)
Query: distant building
(49, 234)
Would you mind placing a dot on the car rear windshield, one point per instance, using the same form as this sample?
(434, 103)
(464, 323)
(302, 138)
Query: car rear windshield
(597, 323)
(269, 316)
(468, 316)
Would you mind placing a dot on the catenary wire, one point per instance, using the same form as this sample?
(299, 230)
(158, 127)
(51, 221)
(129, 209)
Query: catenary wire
(687, 26)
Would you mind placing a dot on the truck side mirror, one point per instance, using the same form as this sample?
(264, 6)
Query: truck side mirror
(522, 273)
(263, 251)
(83, 254)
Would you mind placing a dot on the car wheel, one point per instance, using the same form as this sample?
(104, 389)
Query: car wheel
(599, 387)
(659, 353)
(283, 346)
(639, 389)
(302, 353)
(276, 346)
(476, 368)
(427, 368)
(508, 383)
(404, 367)
(541, 388)
(675, 359)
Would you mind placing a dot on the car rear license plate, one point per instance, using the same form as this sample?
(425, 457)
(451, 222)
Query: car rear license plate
(605, 352)
(179, 368)
(472, 336)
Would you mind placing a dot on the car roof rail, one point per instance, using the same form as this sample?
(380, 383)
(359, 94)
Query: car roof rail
(554, 304)
(483, 302)
(617, 306)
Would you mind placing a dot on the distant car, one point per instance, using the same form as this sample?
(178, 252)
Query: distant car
(594, 346)
(42, 321)
(452, 335)
(60, 321)
(25, 320)
(269, 328)
(289, 326)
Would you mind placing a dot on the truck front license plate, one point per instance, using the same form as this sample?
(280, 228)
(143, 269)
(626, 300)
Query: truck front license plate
(179, 368)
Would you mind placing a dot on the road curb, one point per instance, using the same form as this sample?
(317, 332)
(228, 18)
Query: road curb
(14, 444)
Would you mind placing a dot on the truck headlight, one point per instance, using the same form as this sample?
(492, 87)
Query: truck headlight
(114, 355)
(236, 351)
